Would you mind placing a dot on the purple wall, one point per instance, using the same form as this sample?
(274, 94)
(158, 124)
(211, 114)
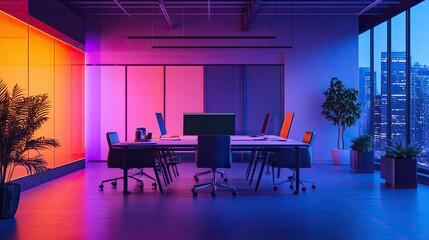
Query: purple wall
(322, 47)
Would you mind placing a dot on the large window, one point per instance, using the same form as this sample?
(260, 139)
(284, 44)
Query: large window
(398, 93)
(380, 89)
(364, 82)
(419, 117)
(401, 81)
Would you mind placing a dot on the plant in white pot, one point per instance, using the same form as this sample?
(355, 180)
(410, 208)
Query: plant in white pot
(20, 117)
(342, 108)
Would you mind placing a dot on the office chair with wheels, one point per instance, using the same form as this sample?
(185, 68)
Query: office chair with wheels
(286, 158)
(214, 151)
(136, 158)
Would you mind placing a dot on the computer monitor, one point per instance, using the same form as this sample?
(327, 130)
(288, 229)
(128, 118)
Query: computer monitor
(161, 124)
(265, 125)
(208, 124)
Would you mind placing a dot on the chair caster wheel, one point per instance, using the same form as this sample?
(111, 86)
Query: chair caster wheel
(313, 186)
(213, 194)
(194, 193)
(304, 189)
(114, 184)
(291, 187)
(101, 186)
(222, 175)
(154, 185)
(225, 179)
(141, 186)
(234, 193)
(196, 179)
(275, 188)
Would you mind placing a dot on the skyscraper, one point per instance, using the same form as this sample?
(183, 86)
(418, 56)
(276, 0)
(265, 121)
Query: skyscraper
(397, 97)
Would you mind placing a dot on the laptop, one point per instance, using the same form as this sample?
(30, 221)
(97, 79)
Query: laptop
(264, 127)
(162, 128)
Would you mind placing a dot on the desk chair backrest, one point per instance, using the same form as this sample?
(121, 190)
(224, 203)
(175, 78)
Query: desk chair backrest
(214, 151)
(112, 138)
(287, 123)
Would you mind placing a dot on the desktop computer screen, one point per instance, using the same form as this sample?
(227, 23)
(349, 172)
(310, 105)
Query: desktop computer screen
(209, 124)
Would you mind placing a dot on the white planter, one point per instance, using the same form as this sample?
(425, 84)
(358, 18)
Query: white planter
(341, 156)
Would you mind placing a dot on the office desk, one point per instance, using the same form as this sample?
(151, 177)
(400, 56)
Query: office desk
(238, 143)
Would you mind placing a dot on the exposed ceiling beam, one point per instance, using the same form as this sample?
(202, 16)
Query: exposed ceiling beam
(247, 20)
(373, 4)
(165, 13)
(121, 7)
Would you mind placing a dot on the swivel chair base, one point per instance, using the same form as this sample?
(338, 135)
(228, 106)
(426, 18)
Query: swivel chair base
(214, 184)
(291, 180)
(114, 181)
(222, 175)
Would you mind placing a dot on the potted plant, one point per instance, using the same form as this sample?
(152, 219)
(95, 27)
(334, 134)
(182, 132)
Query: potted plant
(20, 117)
(341, 106)
(362, 154)
(399, 166)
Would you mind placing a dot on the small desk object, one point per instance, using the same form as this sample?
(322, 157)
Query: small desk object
(268, 143)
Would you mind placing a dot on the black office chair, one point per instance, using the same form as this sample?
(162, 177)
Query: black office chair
(136, 158)
(286, 158)
(214, 151)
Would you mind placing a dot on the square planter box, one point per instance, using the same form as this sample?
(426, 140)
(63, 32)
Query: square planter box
(362, 162)
(399, 173)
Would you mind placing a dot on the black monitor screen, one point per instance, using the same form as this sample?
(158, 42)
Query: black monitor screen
(209, 124)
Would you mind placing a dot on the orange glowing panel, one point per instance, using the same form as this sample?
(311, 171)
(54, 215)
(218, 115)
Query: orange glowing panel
(41, 80)
(62, 104)
(13, 51)
(287, 123)
(145, 97)
(184, 93)
(78, 104)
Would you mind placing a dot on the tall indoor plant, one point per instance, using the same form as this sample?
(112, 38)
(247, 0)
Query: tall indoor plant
(20, 117)
(341, 106)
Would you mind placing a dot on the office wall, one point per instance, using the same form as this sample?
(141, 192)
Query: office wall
(40, 63)
(324, 47)
(321, 47)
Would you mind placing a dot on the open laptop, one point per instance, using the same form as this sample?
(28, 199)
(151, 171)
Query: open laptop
(163, 129)
(264, 126)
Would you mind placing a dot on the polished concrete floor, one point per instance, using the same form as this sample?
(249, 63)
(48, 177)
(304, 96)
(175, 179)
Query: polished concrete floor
(344, 206)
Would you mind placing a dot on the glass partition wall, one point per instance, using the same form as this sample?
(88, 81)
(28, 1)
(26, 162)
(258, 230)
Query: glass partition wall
(40, 63)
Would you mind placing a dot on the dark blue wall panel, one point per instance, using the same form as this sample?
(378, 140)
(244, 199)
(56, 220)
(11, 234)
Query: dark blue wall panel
(262, 93)
(222, 91)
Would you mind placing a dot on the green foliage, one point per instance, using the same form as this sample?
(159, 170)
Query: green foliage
(402, 152)
(341, 107)
(20, 117)
(363, 143)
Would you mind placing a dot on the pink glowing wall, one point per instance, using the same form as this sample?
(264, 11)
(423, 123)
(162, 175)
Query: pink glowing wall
(145, 97)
